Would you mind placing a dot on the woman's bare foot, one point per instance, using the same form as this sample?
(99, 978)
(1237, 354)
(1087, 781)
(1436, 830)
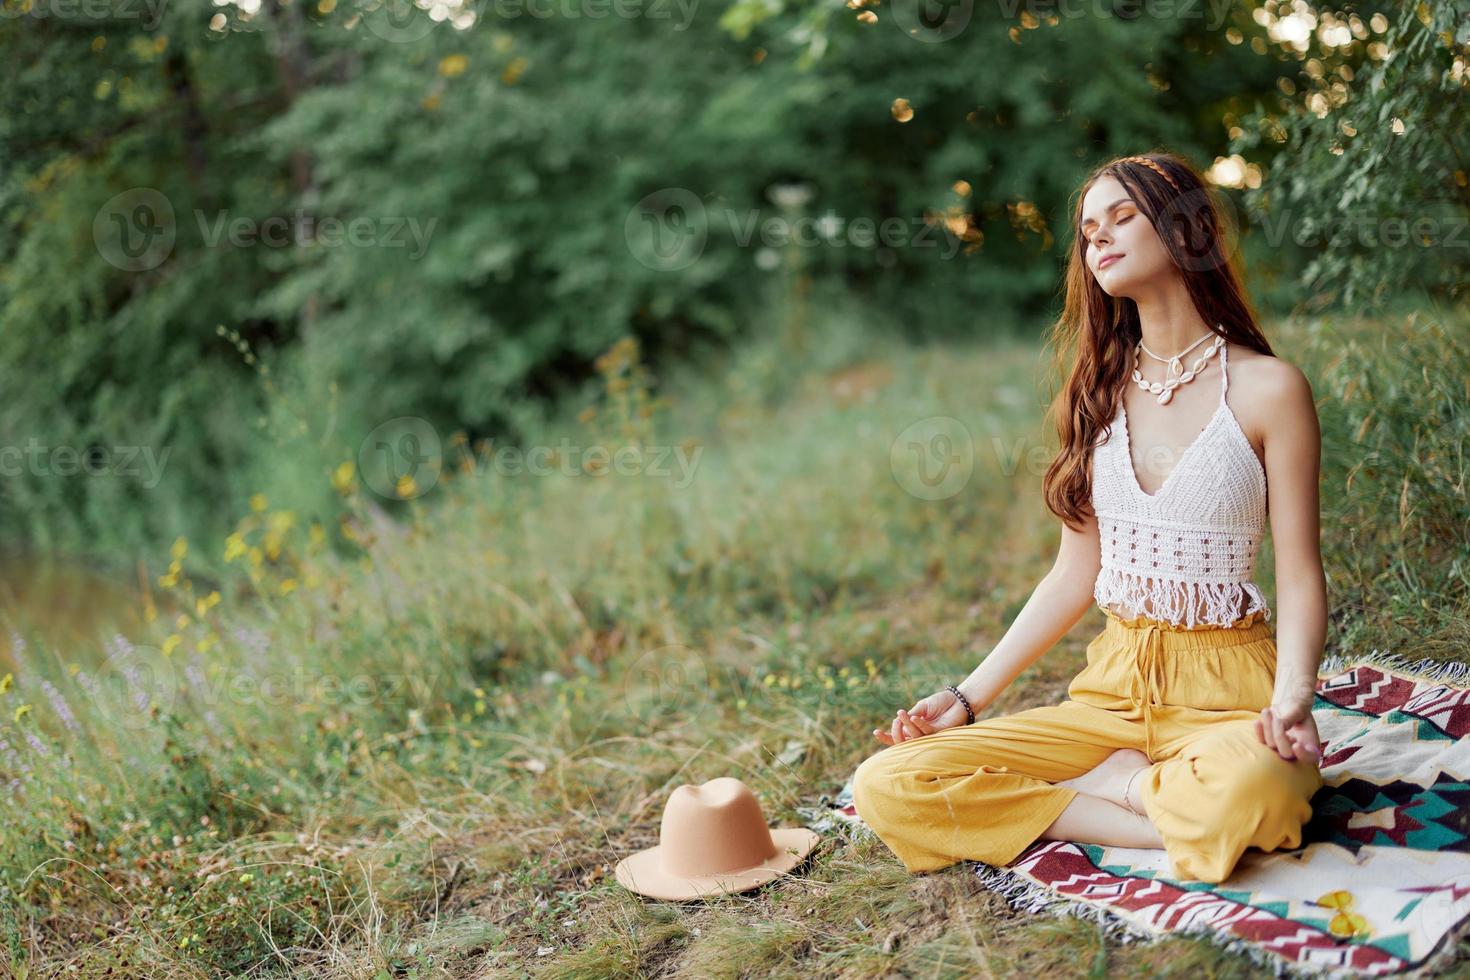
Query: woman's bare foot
(1110, 778)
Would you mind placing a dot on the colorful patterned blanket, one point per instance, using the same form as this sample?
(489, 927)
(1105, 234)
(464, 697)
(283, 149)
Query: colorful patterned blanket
(1381, 883)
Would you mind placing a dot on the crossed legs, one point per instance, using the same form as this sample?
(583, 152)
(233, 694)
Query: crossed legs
(987, 791)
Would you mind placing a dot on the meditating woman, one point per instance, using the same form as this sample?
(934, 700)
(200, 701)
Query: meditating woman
(1190, 727)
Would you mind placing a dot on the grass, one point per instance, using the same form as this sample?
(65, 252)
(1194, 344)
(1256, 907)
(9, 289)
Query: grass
(415, 744)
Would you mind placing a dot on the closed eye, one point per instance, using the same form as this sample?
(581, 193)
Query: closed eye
(1121, 221)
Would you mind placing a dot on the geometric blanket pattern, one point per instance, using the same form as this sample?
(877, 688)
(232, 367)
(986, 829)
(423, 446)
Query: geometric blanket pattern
(1381, 883)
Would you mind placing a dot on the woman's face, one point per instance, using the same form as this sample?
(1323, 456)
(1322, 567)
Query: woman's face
(1117, 231)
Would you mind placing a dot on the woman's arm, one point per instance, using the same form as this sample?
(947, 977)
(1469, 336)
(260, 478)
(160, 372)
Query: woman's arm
(1293, 459)
(1056, 604)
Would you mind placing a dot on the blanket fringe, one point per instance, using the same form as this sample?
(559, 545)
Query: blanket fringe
(1448, 671)
(1026, 895)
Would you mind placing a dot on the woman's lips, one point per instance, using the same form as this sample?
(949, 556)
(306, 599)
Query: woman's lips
(1108, 261)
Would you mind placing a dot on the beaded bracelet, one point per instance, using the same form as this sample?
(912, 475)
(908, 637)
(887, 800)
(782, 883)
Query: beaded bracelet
(969, 714)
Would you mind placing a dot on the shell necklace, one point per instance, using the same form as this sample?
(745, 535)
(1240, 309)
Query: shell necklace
(1177, 375)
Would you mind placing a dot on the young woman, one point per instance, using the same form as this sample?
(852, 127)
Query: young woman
(1190, 728)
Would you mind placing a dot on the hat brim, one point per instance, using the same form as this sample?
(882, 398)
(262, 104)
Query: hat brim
(641, 872)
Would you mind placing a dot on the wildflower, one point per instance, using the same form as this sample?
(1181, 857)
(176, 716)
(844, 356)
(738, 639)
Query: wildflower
(234, 546)
(59, 705)
(182, 622)
(5, 682)
(259, 503)
(405, 486)
(171, 644)
(288, 586)
(317, 536)
(180, 549)
(342, 478)
(20, 713)
(281, 521)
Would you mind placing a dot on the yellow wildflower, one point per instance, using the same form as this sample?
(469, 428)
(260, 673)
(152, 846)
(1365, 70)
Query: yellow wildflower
(212, 599)
(5, 682)
(405, 486)
(180, 548)
(234, 546)
(259, 503)
(288, 585)
(183, 621)
(171, 644)
(21, 712)
(343, 477)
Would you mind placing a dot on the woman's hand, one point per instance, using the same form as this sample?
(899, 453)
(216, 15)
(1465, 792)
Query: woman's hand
(937, 712)
(1288, 727)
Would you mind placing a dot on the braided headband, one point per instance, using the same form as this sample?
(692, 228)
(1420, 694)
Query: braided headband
(1152, 166)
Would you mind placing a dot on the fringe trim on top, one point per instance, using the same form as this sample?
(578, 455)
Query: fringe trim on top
(1178, 601)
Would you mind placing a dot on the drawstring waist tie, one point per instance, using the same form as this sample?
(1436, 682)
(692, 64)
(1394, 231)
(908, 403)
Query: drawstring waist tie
(1151, 639)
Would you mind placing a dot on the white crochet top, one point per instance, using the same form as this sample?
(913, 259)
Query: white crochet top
(1186, 554)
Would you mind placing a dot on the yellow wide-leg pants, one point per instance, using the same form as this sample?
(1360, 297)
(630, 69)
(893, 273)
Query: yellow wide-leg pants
(1186, 697)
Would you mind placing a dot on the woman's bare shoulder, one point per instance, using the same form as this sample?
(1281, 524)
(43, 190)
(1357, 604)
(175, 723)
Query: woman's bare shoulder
(1265, 391)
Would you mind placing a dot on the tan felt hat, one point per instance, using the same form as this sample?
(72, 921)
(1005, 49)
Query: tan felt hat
(714, 840)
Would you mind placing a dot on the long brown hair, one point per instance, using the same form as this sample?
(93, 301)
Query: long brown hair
(1093, 340)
